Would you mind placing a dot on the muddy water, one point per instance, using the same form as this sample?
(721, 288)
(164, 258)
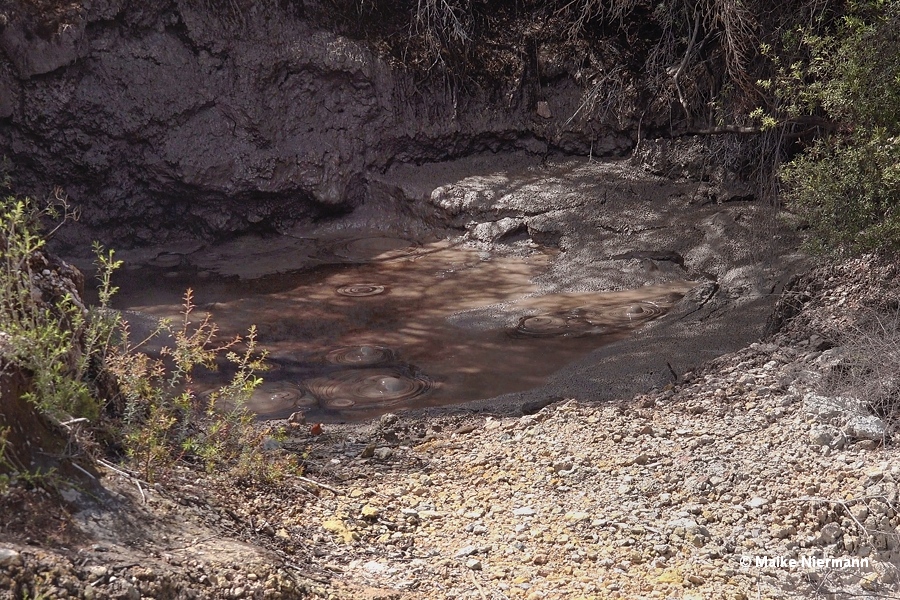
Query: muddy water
(381, 324)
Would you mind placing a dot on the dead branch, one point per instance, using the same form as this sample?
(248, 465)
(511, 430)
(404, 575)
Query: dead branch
(684, 62)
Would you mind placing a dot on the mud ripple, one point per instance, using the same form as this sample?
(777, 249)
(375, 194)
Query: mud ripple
(553, 325)
(583, 321)
(368, 388)
(360, 356)
(278, 395)
(361, 290)
(641, 311)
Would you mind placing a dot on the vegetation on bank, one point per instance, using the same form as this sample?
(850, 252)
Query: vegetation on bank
(846, 184)
(85, 370)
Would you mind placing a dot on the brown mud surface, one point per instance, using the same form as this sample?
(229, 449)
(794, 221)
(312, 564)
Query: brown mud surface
(352, 341)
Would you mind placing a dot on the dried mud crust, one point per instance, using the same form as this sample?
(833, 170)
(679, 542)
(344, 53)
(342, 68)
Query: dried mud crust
(669, 494)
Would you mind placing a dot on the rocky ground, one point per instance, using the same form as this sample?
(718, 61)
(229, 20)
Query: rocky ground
(707, 488)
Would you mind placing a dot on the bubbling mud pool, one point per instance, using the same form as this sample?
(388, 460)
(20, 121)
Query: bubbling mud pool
(378, 323)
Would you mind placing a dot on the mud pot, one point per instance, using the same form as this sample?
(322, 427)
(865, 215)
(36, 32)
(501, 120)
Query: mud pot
(376, 323)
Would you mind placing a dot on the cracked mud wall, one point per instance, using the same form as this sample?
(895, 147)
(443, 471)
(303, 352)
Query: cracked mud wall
(162, 118)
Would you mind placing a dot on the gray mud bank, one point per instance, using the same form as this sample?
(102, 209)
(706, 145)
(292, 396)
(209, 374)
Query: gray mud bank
(619, 227)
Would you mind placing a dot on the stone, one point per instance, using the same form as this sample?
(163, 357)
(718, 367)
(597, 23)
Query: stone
(866, 427)
(540, 559)
(473, 564)
(831, 359)
(370, 512)
(525, 511)
(684, 523)
(828, 408)
(543, 110)
(10, 558)
(382, 453)
(493, 231)
(466, 551)
(757, 502)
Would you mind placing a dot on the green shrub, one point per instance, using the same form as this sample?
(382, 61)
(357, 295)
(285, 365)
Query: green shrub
(165, 418)
(846, 186)
(42, 336)
(848, 191)
(155, 413)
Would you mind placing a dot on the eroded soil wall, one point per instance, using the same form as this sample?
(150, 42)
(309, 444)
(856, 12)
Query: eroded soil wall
(166, 117)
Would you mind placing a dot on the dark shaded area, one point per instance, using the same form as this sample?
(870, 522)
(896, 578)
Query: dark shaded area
(33, 444)
(30, 440)
(168, 119)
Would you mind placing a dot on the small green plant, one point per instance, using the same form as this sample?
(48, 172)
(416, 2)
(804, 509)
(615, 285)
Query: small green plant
(14, 474)
(42, 335)
(167, 419)
(848, 191)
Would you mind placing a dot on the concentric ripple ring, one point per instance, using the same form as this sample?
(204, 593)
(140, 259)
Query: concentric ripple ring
(360, 356)
(642, 311)
(623, 317)
(274, 395)
(367, 388)
(543, 325)
(553, 325)
(361, 290)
